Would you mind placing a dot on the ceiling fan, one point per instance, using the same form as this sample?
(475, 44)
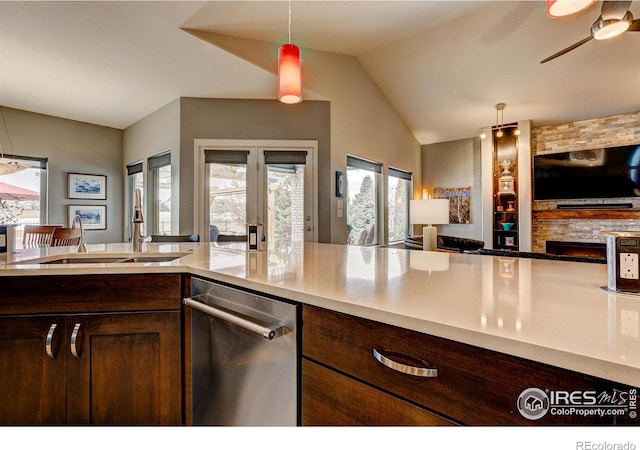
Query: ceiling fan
(615, 18)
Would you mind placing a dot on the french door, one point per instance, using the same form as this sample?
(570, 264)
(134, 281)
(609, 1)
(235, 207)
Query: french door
(267, 182)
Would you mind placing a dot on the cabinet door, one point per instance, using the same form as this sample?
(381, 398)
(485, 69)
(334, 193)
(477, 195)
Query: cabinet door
(124, 369)
(32, 373)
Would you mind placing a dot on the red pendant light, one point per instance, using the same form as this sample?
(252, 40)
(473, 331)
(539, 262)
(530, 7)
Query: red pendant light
(562, 8)
(289, 77)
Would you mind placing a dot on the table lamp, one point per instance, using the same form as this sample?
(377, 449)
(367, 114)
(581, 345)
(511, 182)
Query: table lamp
(429, 211)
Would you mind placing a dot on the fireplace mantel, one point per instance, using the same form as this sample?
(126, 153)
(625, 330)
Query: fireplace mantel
(586, 214)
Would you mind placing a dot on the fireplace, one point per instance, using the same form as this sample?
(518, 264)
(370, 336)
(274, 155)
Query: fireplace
(567, 248)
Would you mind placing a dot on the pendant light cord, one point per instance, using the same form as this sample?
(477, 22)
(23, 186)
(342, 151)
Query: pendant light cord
(289, 21)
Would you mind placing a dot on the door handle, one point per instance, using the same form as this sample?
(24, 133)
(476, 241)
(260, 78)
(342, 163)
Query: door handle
(74, 341)
(49, 341)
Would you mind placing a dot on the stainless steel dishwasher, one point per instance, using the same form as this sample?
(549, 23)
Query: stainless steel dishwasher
(244, 351)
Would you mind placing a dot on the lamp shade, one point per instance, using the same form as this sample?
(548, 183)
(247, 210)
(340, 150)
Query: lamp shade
(562, 8)
(289, 78)
(429, 211)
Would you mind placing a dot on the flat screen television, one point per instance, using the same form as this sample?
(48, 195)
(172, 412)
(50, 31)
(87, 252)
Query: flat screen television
(611, 172)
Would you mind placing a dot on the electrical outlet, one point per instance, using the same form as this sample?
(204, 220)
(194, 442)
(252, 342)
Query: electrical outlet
(630, 323)
(629, 266)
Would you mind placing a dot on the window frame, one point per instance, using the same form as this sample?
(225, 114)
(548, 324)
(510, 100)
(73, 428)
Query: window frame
(132, 171)
(154, 163)
(358, 162)
(407, 176)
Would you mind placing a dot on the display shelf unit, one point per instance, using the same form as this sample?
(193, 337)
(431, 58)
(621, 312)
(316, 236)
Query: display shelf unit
(505, 188)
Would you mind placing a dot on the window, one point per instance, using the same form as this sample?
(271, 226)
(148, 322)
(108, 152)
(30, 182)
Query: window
(23, 195)
(398, 196)
(363, 181)
(160, 195)
(135, 180)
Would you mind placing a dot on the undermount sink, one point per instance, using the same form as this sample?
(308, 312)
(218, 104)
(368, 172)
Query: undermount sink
(95, 259)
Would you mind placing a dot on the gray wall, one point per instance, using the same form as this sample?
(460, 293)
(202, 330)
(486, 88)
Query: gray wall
(254, 119)
(157, 133)
(76, 147)
(456, 164)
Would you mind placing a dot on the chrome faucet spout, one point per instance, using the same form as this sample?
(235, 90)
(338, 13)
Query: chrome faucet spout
(138, 238)
(82, 248)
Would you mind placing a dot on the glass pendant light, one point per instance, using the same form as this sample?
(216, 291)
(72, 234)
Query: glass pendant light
(289, 77)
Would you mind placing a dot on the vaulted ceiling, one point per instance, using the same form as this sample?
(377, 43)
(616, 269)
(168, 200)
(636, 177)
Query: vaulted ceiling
(443, 65)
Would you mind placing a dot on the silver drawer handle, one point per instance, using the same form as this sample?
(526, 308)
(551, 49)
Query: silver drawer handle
(49, 341)
(426, 372)
(270, 332)
(74, 341)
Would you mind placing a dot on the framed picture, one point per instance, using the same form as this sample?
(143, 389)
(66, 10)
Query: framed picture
(93, 187)
(94, 217)
(340, 184)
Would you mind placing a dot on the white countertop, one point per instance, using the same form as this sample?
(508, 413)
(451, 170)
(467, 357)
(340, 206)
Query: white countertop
(554, 312)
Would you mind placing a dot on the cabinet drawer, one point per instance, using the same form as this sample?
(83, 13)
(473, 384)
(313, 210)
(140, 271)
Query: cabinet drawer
(473, 385)
(51, 294)
(329, 398)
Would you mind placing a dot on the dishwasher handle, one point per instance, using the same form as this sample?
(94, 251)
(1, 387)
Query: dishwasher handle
(267, 332)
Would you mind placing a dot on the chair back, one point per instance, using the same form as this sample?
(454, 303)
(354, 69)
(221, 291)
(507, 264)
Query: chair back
(175, 238)
(65, 236)
(38, 235)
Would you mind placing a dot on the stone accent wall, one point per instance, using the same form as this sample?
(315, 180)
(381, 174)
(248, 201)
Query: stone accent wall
(621, 129)
(576, 230)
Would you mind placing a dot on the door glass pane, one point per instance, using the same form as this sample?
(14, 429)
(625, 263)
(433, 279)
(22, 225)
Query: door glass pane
(361, 207)
(227, 199)
(285, 203)
(163, 175)
(20, 199)
(398, 208)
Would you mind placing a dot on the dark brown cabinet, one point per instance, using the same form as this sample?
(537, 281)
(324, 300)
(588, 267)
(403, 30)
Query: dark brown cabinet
(104, 367)
(343, 383)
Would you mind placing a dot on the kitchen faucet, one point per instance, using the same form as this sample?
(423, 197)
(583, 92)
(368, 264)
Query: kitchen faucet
(138, 239)
(82, 248)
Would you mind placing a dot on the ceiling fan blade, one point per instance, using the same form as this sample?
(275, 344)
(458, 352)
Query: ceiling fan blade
(567, 50)
(635, 25)
(614, 10)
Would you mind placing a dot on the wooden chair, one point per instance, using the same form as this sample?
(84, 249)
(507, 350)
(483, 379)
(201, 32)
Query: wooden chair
(65, 236)
(175, 238)
(38, 235)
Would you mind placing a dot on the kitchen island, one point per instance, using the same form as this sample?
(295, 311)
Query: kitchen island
(555, 313)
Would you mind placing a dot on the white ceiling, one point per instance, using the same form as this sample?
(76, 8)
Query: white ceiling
(443, 65)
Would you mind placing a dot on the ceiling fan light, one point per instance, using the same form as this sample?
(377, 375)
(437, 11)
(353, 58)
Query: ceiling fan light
(606, 29)
(9, 166)
(563, 8)
(289, 78)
